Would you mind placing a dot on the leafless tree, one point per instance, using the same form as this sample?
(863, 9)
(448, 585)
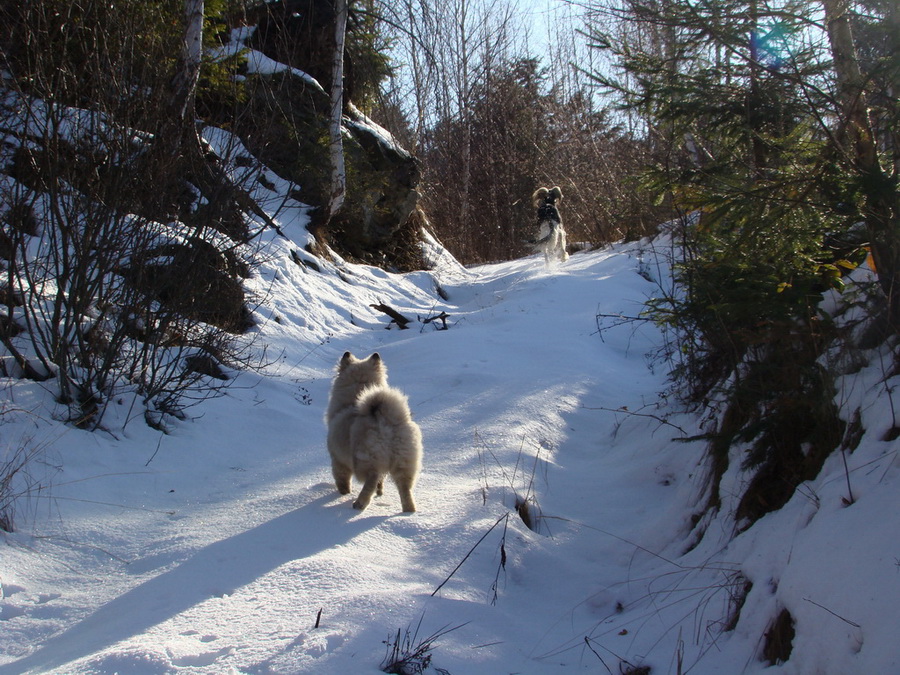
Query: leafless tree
(490, 129)
(105, 255)
(184, 84)
(336, 145)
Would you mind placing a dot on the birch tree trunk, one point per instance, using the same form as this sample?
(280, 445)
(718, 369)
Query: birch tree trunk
(881, 208)
(179, 128)
(338, 171)
(191, 54)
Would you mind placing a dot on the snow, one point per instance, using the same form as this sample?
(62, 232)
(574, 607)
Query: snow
(257, 62)
(223, 547)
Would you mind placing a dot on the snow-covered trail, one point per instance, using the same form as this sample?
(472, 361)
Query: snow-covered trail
(220, 553)
(223, 547)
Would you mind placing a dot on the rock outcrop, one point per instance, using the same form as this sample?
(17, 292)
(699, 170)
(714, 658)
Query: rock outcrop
(286, 127)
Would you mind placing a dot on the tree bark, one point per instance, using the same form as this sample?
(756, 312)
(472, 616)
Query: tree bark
(881, 207)
(184, 85)
(338, 171)
(178, 131)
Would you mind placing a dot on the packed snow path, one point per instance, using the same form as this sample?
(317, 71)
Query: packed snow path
(223, 547)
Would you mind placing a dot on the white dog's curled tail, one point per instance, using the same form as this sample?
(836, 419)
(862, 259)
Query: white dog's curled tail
(386, 402)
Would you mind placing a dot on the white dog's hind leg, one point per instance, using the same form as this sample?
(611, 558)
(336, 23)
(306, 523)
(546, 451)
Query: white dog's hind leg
(342, 476)
(369, 488)
(404, 487)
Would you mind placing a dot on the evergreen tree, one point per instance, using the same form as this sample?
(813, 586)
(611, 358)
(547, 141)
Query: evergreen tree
(766, 144)
(740, 101)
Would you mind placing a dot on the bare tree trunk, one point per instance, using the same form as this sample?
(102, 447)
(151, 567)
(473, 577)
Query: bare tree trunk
(338, 171)
(851, 84)
(882, 201)
(463, 90)
(191, 53)
(184, 84)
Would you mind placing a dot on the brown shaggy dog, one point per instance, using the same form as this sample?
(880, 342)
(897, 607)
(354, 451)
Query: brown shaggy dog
(551, 235)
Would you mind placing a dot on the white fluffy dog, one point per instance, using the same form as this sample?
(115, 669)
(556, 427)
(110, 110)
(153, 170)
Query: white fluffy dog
(370, 432)
(551, 235)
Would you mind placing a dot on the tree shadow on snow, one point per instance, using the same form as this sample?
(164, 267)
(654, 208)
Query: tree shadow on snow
(214, 571)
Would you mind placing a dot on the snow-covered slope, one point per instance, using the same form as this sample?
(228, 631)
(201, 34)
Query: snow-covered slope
(223, 547)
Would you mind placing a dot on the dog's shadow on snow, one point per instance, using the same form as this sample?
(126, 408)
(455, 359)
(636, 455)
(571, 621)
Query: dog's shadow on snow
(216, 570)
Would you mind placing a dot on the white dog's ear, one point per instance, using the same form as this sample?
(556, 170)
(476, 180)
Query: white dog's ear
(376, 357)
(556, 193)
(346, 360)
(538, 197)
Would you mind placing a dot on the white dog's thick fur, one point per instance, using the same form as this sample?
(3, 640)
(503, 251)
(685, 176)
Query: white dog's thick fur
(370, 432)
(551, 235)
